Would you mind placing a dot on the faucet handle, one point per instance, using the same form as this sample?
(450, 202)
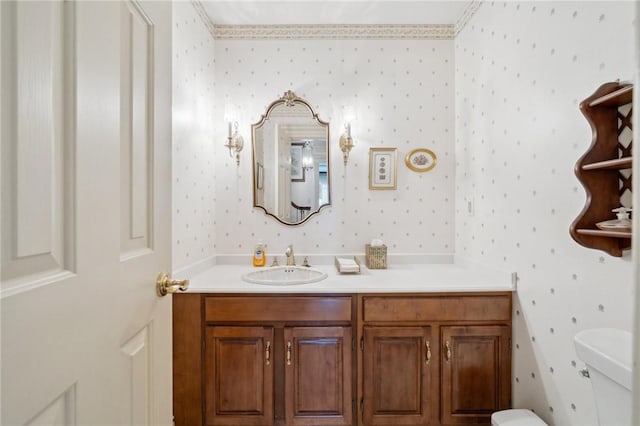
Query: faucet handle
(305, 262)
(275, 261)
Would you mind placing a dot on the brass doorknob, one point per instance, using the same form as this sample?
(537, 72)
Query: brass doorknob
(165, 285)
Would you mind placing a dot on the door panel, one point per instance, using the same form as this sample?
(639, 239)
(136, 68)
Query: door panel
(397, 375)
(136, 130)
(85, 338)
(138, 353)
(59, 413)
(475, 372)
(239, 376)
(38, 243)
(318, 376)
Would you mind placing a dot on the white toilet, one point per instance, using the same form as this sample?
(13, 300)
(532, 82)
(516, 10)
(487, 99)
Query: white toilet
(607, 353)
(516, 417)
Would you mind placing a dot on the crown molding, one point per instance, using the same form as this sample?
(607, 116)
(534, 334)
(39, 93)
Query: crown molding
(466, 16)
(332, 32)
(337, 32)
(204, 16)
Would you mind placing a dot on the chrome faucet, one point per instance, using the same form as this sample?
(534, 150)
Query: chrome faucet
(291, 260)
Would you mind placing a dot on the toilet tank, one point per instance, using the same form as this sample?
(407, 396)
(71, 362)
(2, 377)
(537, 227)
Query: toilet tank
(607, 353)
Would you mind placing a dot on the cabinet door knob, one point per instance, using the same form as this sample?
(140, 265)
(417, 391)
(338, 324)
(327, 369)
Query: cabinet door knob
(428, 348)
(267, 353)
(448, 346)
(288, 353)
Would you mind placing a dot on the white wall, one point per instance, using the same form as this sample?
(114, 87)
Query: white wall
(521, 70)
(402, 91)
(193, 138)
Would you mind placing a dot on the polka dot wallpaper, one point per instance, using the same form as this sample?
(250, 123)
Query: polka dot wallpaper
(402, 93)
(521, 69)
(193, 127)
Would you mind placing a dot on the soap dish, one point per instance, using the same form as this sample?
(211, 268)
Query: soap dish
(621, 224)
(613, 227)
(347, 266)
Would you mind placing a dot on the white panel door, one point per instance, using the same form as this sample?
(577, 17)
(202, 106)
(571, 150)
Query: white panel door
(85, 92)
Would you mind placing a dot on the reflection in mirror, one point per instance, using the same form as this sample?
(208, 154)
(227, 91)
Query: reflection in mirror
(290, 161)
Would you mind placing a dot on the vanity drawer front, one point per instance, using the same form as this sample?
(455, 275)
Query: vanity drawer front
(260, 308)
(437, 308)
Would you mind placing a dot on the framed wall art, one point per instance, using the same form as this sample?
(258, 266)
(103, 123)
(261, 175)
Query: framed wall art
(421, 160)
(382, 168)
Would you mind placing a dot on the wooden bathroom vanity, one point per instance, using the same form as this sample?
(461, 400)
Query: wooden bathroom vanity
(441, 358)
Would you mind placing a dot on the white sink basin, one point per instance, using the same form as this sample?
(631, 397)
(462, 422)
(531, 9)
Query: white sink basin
(284, 275)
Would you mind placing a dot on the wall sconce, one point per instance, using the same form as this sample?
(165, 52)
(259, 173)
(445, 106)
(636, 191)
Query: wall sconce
(346, 142)
(235, 142)
(307, 155)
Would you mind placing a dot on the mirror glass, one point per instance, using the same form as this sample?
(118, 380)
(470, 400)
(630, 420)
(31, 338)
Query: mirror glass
(290, 161)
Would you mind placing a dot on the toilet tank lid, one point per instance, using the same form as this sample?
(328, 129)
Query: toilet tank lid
(608, 350)
(516, 417)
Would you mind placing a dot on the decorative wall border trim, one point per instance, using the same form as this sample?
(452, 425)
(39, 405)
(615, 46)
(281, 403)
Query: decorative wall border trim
(466, 16)
(337, 32)
(332, 32)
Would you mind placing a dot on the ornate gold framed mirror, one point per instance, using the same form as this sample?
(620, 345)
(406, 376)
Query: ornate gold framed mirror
(291, 180)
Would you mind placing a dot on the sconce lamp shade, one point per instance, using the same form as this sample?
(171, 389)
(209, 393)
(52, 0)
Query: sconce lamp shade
(349, 113)
(229, 113)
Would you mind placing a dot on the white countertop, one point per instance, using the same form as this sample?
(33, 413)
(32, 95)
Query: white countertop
(397, 278)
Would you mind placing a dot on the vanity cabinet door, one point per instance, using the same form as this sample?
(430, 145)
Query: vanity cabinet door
(318, 376)
(476, 371)
(238, 376)
(398, 366)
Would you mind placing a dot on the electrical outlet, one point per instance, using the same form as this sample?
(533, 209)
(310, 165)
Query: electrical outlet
(470, 206)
